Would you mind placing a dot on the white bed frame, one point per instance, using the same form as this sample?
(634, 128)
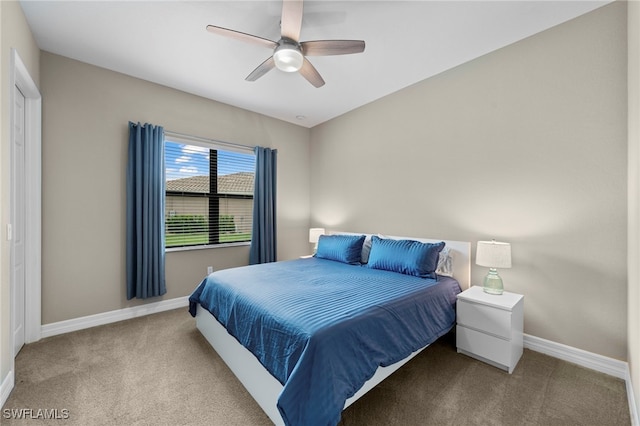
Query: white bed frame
(262, 386)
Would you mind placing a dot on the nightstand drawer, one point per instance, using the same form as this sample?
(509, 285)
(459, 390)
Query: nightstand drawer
(484, 318)
(480, 344)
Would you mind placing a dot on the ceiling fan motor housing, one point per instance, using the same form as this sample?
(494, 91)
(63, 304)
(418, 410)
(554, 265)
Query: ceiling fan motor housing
(288, 55)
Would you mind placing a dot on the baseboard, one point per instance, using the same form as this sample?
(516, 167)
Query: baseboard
(6, 387)
(603, 364)
(633, 409)
(89, 321)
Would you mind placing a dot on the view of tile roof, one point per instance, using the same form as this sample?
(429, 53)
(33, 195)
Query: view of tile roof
(234, 183)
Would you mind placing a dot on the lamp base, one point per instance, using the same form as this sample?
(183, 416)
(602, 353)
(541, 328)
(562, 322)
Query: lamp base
(493, 283)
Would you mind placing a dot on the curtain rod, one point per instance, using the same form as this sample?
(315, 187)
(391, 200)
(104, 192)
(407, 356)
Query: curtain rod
(201, 139)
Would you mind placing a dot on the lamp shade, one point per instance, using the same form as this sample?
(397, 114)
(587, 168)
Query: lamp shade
(493, 254)
(314, 234)
(288, 57)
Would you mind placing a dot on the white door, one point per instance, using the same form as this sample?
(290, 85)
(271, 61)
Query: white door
(18, 215)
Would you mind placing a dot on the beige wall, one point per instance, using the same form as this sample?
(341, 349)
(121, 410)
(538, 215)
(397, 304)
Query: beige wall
(241, 209)
(633, 323)
(183, 205)
(525, 145)
(14, 33)
(550, 112)
(85, 114)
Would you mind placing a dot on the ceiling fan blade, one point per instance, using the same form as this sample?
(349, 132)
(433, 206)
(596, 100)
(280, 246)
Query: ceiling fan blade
(242, 36)
(331, 47)
(291, 21)
(312, 75)
(262, 69)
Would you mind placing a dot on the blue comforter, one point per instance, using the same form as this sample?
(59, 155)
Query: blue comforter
(322, 327)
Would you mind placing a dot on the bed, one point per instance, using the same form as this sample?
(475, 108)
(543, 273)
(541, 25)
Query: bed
(308, 337)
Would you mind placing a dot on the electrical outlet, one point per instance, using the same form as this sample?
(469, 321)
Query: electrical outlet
(209, 270)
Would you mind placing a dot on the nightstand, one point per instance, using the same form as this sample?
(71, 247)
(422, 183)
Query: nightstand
(490, 327)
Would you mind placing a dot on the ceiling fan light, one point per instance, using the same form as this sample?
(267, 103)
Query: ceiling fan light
(288, 58)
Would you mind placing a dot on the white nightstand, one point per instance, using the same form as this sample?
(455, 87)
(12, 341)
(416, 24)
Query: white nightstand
(490, 327)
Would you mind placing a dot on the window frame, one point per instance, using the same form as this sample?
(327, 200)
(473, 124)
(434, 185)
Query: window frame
(213, 197)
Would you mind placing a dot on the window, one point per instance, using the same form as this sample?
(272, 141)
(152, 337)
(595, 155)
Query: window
(209, 194)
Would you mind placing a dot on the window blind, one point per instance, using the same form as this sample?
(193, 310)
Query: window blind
(209, 194)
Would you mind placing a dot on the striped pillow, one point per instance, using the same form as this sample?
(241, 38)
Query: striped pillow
(405, 256)
(342, 248)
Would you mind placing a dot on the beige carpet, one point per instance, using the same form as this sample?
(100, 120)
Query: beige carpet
(159, 370)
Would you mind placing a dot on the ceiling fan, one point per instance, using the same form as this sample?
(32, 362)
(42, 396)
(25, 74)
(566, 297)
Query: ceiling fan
(289, 54)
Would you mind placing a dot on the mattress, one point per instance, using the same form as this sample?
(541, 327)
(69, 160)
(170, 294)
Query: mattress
(322, 327)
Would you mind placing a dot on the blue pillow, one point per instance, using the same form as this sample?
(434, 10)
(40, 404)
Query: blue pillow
(342, 248)
(405, 256)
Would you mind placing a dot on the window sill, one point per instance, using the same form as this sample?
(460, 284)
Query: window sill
(207, 247)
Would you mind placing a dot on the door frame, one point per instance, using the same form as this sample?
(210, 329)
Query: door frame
(17, 221)
(19, 77)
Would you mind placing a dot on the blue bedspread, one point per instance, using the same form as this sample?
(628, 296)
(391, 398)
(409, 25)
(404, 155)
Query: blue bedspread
(322, 327)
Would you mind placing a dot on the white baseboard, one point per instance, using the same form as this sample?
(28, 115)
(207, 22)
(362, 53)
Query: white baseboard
(6, 387)
(89, 321)
(633, 409)
(603, 364)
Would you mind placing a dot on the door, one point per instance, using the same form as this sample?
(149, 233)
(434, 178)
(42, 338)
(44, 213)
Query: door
(18, 216)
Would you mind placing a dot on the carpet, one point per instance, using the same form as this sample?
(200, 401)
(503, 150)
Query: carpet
(159, 370)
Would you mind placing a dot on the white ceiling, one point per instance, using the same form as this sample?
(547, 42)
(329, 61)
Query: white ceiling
(406, 41)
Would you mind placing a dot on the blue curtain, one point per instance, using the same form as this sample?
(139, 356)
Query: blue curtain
(263, 237)
(145, 212)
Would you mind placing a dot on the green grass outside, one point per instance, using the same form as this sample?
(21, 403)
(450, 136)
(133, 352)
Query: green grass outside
(176, 240)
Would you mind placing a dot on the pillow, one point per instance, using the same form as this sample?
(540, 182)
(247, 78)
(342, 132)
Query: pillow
(342, 248)
(366, 248)
(445, 267)
(405, 256)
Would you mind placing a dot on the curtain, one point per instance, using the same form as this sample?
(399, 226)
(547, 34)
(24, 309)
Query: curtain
(145, 212)
(263, 237)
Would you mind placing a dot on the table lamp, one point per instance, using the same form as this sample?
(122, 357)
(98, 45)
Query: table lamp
(493, 254)
(314, 236)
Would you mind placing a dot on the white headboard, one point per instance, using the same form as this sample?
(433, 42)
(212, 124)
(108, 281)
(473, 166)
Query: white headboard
(459, 250)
